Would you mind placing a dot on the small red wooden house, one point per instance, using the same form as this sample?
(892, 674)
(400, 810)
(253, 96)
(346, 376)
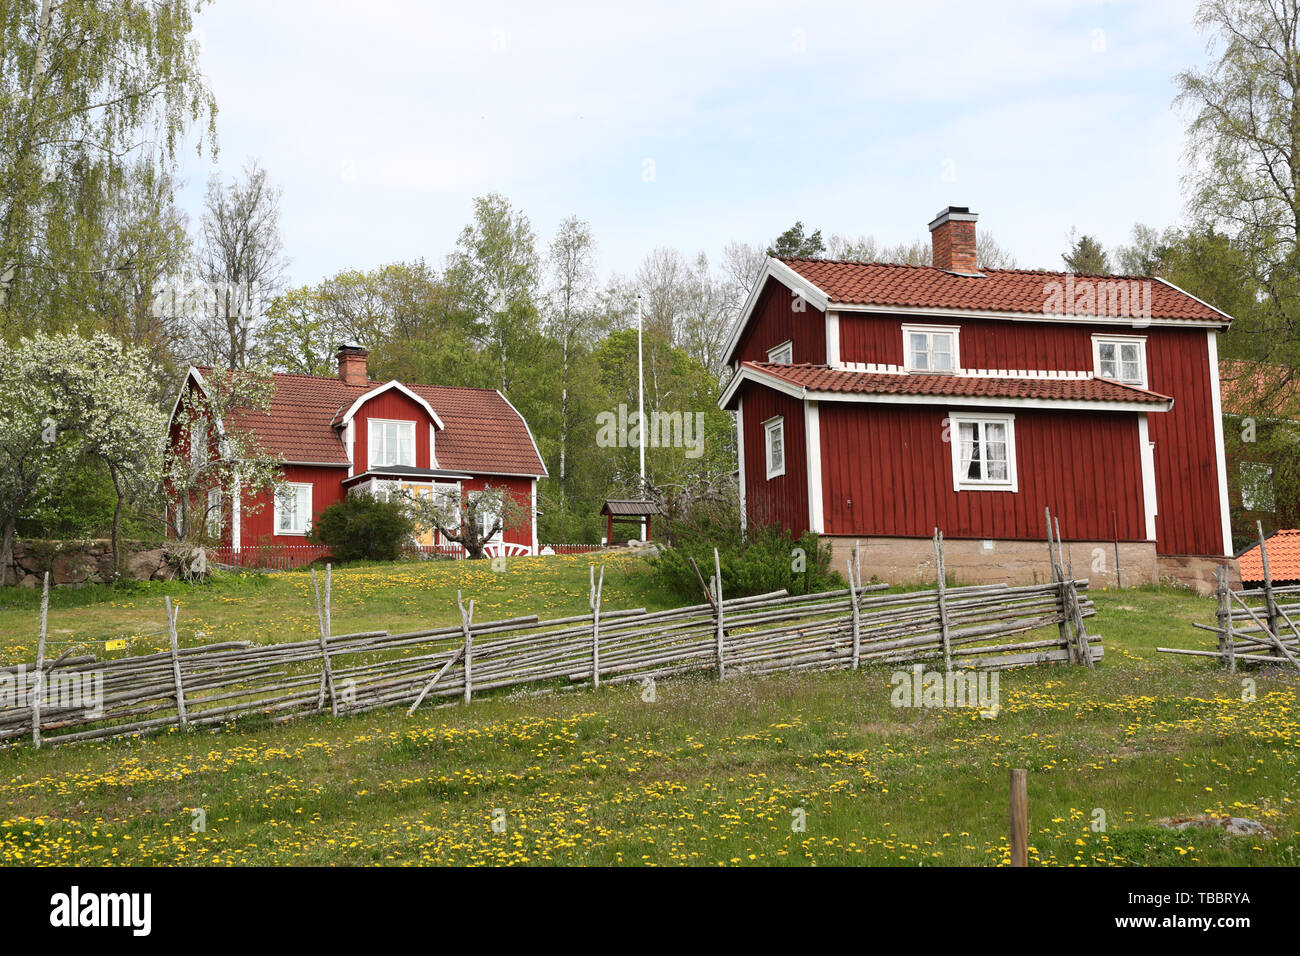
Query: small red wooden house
(341, 434)
(876, 402)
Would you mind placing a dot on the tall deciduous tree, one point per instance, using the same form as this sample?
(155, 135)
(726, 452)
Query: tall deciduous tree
(83, 84)
(241, 264)
(571, 313)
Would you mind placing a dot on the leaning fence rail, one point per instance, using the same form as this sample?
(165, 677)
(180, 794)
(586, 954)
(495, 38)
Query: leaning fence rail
(984, 626)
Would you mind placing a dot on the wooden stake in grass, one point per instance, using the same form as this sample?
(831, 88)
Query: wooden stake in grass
(855, 583)
(176, 662)
(467, 618)
(717, 606)
(594, 603)
(38, 690)
(941, 572)
(322, 617)
(1019, 818)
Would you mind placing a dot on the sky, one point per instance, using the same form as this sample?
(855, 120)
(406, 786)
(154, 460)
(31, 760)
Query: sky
(693, 124)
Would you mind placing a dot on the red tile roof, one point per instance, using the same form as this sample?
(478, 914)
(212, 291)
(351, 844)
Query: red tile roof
(1283, 558)
(483, 434)
(995, 290)
(1246, 386)
(823, 378)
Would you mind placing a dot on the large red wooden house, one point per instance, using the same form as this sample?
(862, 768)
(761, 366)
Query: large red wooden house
(347, 433)
(877, 402)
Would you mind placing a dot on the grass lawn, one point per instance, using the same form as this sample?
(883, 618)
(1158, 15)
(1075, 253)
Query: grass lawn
(706, 773)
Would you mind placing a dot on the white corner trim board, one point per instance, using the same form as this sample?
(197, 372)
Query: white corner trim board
(1221, 464)
(740, 456)
(1146, 455)
(812, 440)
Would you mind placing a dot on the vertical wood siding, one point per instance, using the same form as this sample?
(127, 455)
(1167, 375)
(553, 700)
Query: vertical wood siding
(890, 473)
(782, 500)
(258, 528)
(1188, 518)
(775, 320)
(395, 406)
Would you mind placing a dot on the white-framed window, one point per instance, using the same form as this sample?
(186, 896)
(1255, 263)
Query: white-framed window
(486, 517)
(198, 443)
(1121, 358)
(1257, 486)
(983, 451)
(782, 354)
(391, 443)
(774, 446)
(293, 508)
(930, 348)
(213, 516)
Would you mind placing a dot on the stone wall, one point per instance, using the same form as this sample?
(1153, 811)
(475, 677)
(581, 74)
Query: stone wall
(911, 560)
(74, 563)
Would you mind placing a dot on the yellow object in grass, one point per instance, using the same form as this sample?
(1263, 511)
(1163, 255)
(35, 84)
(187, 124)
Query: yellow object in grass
(119, 645)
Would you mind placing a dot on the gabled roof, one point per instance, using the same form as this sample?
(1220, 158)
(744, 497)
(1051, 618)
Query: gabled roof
(624, 506)
(481, 431)
(1283, 558)
(1073, 390)
(996, 293)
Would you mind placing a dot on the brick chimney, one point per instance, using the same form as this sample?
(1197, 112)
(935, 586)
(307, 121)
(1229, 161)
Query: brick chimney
(953, 235)
(352, 364)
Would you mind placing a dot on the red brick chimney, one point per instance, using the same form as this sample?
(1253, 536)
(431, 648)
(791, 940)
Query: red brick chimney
(352, 364)
(953, 235)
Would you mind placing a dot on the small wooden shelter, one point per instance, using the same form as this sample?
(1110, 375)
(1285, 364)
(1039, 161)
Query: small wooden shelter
(626, 510)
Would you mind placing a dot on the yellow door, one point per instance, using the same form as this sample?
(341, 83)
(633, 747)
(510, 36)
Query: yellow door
(423, 536)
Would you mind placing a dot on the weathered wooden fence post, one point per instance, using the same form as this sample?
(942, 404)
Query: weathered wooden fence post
(717, 610)
(466, 619)
(855, 584)
(593, 601)
(1270, 602)
(1019, 818)
(941, 573)
(181, 718)
(38, 689)
(322, 617)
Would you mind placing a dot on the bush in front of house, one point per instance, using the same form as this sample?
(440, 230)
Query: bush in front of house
(363, 528)
(766, 559)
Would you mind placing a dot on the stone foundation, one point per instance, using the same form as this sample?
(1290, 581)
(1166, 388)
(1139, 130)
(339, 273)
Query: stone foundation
(969, 561)
(1197, 572)
(73, 563)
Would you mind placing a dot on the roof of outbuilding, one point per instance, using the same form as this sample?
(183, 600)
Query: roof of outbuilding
(992, 290)
(483, 433)
(1283, 558)
(617, 507)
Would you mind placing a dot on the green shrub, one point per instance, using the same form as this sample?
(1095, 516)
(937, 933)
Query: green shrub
(363, 528)
(766, 559)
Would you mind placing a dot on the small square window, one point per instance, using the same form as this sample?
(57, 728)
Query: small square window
(391, 443)
(293, 509)
(983, 452)
(783, 354)
(213, 516)
(930, 348)
(1120, 359)
(774, 443)
(1257, 487)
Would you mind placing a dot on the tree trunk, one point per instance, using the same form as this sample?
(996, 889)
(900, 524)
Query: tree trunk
(7, 551)
(117, 522)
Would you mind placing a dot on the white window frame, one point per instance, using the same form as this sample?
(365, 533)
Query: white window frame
(372, 445)
(1120, 340)
(198, 443)
(1251, 504)
(776, 353)
(298, 487)
(960, 482)
(212, 517)
(929, 331)
(772, 427)
(497, 538)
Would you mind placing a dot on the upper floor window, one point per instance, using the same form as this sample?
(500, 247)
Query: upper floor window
(198, 444)
(983, 452)
(930, 348)
(774, 446)
(1121, 358)
(392, 443)
(783, 354)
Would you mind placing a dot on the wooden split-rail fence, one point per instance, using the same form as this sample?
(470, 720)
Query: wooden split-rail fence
(986, 626)
(1253, 625)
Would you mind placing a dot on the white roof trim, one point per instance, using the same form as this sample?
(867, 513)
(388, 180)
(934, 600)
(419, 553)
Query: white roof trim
(540, 460)
(1226, 316)
(778, 270)
(355, 407)
(803, 394)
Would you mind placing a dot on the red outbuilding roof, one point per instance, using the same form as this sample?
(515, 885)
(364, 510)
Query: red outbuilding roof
(992, 290)
(1255, 388)
(824, 378)
(1283, 558)
(483, 433)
